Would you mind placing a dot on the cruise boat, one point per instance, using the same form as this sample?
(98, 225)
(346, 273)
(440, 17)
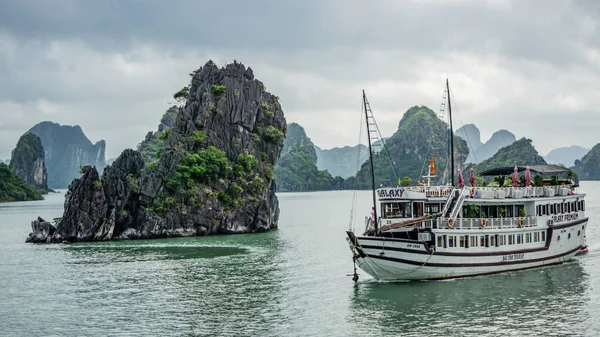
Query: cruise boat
(439, 232)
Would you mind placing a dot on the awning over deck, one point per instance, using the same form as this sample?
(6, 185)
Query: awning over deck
(542, 169)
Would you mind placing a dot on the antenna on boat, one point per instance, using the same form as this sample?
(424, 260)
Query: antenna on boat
(370, 122)
(451, 134)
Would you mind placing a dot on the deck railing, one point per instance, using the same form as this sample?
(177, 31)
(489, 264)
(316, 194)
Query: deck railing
(492, 223)
(496, 192)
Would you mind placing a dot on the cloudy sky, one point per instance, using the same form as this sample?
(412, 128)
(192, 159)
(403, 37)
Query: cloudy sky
(532, 67)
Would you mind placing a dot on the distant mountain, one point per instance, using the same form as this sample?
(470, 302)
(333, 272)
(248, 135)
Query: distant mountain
(28, 162)
(588, 168)
(481, 151)
(67, 149)
(566, 156)
(421, 135)
(342, 161)
(296, 169)
(519, 153)
(470, 133)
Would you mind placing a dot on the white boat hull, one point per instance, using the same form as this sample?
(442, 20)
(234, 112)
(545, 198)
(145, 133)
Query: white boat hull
(397, 259)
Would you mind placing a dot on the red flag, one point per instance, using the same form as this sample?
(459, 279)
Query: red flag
(431, 163)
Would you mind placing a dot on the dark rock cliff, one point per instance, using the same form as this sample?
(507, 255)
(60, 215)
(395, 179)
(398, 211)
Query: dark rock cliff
(214, 172)
(27, 161)
(66, 150)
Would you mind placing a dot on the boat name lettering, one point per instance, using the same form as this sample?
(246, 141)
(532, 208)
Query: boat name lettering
(412, 245)
(565, 217)
(391, 193)
(512, 257)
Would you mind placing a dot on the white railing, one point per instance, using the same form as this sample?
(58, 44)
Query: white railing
(519, 192)
(491, 223)
(432, 191)
(448, 202)
(458, 206)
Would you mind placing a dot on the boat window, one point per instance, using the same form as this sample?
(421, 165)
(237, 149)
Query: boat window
(527, 237)
(519, 239)
(451, 241)
(440, 241)
(432, 208)
(492, 240)
(462, 241)
(473, 242)
(543, 236)
(397, 210)
(583, 205)
(511, 239)
(501, 240)
(482, 241)
(536, 237)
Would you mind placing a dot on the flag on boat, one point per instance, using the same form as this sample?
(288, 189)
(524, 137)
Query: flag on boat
(432, 165)
(461, 181)
(515, 177)
(527, 177)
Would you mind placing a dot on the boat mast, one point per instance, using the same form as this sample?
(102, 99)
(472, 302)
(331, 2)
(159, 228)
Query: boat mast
(367, 109)
(451, 135)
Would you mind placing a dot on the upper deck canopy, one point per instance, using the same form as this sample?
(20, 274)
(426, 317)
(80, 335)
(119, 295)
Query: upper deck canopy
(542, 169)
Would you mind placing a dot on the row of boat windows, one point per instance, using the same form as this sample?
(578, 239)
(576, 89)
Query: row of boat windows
(494, 211)
(558, 208)
(472, 241)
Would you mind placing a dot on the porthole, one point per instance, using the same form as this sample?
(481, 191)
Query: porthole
(578, 233)
(558, 238)
(569, 237)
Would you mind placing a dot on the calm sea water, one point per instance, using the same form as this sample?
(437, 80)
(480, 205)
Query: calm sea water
(289, 282)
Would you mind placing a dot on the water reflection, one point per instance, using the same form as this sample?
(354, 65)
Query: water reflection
(190, 285)
(521, 303)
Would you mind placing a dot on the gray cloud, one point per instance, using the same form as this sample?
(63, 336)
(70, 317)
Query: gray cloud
(531, 67)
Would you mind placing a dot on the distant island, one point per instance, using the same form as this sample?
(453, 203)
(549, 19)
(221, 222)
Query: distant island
(28, 162)
(479, 151)
(67, 149)
(588, 168)
(566, 156)
(297, 170)
(421, 135)
(341, 161)
(519, 153)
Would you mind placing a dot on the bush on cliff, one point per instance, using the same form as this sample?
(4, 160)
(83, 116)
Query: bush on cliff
(13, 188)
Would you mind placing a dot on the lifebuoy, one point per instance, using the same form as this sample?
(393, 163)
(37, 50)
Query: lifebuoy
(450, 223)
(472, 193)
(521, 223)
(483, 223)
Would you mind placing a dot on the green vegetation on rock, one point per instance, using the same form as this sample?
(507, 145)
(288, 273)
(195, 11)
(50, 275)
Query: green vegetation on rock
(519, 153)
(421, 135)
(13, 188)
(151, 147)
(296, 169)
